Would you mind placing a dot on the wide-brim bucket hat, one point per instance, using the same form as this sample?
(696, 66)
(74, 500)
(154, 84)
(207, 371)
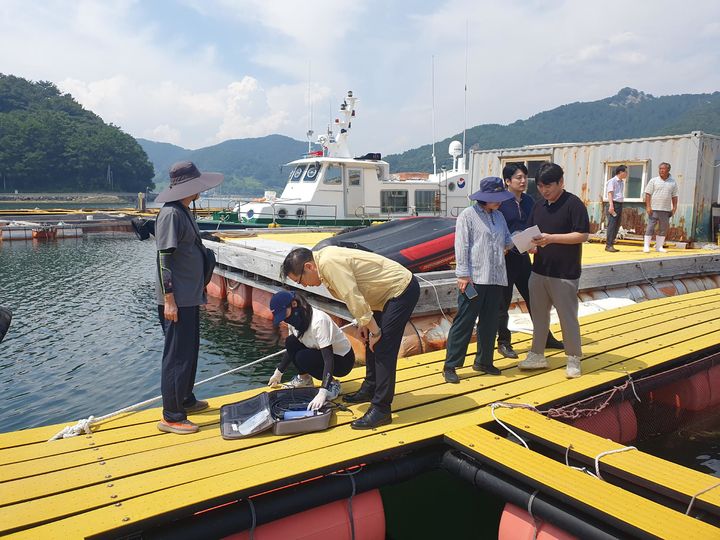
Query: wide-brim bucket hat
(492, 189)
(186, 180)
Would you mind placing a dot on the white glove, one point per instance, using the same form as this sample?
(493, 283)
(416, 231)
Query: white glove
(318, 401)
(276, 378)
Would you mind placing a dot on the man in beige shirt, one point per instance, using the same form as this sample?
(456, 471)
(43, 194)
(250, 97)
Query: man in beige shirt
(381, 295)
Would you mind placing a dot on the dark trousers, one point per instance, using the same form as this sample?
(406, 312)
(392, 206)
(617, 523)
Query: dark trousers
(613, 223)
(179, 361)
(381, 364)
(311, 361)
(485, 305)
(518, 267)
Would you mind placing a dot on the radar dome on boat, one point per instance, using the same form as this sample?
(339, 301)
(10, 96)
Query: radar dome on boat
(455, 149)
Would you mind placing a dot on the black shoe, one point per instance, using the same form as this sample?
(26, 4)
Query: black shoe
(611, 249)
(361, 396)
(372, 419)
(506, 350)
(554, 343)
(450, 375)
(490, 370)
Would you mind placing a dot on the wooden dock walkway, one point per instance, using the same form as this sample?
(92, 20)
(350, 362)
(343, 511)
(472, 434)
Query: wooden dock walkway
(127, 475)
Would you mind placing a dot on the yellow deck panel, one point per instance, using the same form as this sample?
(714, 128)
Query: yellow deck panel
(153, 473)
(557, 479)
(666, 477)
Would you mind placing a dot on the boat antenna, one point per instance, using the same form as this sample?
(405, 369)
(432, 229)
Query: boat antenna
(433, 116)
(466, 85)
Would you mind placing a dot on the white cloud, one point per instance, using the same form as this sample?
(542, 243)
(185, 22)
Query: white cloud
(194, 73)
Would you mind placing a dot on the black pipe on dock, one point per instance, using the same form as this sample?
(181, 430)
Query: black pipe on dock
(543, 506)
(237, 517)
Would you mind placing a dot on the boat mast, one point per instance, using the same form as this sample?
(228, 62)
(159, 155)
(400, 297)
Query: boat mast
(466, 85)
(434, 161)
(310, 131)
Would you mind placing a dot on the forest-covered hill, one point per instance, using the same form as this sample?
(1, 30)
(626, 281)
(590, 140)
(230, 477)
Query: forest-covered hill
(50, 143)
(250, 165)
(628, 114)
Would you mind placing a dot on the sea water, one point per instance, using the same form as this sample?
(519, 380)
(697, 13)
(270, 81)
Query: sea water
(85, 337)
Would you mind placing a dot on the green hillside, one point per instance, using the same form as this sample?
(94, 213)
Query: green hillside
(50, 143)
(627, 114)
(250, 165)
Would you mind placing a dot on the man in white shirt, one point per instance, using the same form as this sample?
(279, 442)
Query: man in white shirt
(661, 198)
(614, 191)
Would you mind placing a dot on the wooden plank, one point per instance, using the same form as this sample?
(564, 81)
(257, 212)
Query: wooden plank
(587, 493)
(409, 370)
(271, 453)
(599, 327)
(634, 466)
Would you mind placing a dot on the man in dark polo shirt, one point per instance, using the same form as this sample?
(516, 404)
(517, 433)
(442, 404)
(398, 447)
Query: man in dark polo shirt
(564, 225)
(180, 288)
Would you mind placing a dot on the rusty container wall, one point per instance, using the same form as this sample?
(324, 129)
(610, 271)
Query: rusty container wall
(585, 174)
(706, 191)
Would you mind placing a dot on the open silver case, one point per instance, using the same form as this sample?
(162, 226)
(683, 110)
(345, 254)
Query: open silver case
(268, 409)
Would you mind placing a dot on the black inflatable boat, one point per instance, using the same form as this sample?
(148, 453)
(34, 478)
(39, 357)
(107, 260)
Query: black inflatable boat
(420, 244)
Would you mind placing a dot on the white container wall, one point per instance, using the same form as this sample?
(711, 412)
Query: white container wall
(588, 165)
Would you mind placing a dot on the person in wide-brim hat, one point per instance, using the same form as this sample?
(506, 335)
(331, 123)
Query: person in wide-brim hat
(180, 291)
(481, 240)
(492, 190)
(186, 180)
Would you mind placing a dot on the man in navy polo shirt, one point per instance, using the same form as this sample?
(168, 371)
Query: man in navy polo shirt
(564, 226)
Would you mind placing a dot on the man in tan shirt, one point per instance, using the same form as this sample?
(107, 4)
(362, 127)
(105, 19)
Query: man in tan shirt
(381, 295)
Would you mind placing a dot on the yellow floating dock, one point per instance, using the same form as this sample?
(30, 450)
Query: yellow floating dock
(128, 476)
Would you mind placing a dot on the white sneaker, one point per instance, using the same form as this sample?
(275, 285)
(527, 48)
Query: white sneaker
(333, 390)
(534, 361)
(299, 381)
(660, 249)
(572, 371)
(646, 250)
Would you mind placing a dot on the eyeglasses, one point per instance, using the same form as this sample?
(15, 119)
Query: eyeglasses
(301, 275)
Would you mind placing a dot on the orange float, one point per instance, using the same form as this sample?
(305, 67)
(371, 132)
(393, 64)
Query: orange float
(238, 294)
(261, 303)
(327, 521)
(517, 524)
(216, 287)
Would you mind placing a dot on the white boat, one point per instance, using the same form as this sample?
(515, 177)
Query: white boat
(330, 187)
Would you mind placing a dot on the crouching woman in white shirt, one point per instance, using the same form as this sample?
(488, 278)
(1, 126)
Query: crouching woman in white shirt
(315, 345)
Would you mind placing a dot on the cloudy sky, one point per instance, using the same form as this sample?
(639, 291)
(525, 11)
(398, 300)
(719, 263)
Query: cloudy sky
(197, 72)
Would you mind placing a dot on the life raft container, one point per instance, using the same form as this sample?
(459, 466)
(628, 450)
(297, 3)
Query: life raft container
(420, 244)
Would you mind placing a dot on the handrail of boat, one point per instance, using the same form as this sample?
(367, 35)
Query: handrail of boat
(361, 212)
(306, 214)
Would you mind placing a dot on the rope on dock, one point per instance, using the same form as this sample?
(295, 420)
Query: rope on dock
(85, 426)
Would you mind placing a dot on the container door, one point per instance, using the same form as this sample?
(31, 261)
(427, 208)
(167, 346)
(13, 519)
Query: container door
(354, 193)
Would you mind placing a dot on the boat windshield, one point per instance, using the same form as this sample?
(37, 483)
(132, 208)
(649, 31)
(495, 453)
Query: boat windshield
(312, 172)
(296, 173)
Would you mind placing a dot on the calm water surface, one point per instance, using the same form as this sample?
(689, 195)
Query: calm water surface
(85, 337)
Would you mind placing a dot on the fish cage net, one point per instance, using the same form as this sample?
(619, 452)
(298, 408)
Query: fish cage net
(683, 400)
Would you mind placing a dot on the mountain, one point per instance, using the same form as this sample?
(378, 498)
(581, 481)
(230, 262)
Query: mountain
(250, 165)
(628, 114)
(49, 142)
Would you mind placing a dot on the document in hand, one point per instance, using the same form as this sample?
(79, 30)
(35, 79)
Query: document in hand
(523, 239)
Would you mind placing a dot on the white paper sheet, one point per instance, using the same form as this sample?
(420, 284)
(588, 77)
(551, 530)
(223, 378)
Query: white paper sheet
(523, 239)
